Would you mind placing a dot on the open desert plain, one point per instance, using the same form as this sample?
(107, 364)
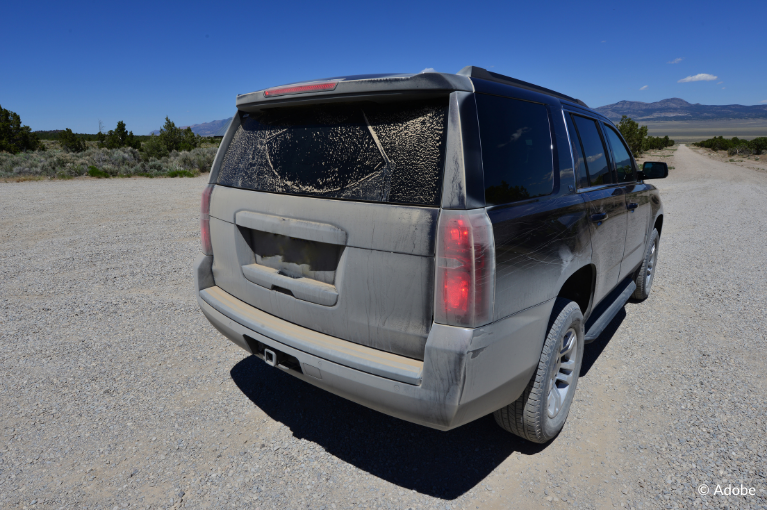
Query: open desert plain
(116, 392)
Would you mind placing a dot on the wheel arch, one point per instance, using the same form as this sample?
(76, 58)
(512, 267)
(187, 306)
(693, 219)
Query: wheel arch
(579, 287)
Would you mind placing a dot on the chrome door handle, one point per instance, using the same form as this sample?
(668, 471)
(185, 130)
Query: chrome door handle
(631, 206)
(598, 217)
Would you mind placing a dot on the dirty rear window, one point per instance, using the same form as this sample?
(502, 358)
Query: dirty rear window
(380, 152)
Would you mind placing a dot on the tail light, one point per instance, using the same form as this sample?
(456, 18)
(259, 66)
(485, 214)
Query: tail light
(207, 247)
(300, 89)
(465, 290)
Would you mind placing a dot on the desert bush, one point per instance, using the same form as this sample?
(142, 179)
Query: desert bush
(95, 172)
(656, 142)
(170, 139)
(124, 162)
(70, 142)
(633, 134)
(118, 137)
(14, 137)
(735, 146)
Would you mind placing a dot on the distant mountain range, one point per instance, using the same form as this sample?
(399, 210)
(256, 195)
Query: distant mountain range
(676, 109)
(212, 128)
(673, 109)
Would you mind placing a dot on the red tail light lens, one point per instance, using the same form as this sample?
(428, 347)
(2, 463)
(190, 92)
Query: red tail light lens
(207, 247)
(298, 89)
(465, 269)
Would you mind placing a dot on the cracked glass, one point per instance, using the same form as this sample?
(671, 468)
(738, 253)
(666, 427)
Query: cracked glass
(380, 152)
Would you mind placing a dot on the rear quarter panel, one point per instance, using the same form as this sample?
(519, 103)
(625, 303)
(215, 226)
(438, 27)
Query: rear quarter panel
(538, 246)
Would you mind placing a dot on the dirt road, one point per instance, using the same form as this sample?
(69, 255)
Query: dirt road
(115, 391)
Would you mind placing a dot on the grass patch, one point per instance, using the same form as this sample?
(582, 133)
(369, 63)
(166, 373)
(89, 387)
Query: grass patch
(95, 172)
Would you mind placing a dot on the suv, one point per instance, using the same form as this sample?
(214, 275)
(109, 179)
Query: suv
(437, 247)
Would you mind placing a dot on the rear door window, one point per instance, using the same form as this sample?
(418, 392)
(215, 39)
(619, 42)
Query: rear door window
(621, 155)
(594, 151)
(381, 152)
(517, 153)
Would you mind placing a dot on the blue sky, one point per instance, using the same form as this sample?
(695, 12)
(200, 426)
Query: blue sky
(69, 64)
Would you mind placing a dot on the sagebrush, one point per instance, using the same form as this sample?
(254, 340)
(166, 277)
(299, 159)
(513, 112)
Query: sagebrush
(122, 162)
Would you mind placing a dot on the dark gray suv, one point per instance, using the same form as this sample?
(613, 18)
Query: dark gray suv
(437, 247)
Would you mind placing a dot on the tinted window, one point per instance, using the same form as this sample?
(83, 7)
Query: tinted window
(581, 178)
(388, 152)
(621, 155)
(516, 149)
(594, 151)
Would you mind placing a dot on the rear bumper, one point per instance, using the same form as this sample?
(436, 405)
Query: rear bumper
(466, 373)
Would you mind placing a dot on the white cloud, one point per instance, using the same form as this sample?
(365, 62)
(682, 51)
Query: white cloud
(724, 88)
(643, 88)
(429, 70)
(763, 102)
(675, 61)
(604, 41)
(698, 77)
(719, 82)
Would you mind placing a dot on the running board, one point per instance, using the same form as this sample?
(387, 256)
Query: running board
(599, 325)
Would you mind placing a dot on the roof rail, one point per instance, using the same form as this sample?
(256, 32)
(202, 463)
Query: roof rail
(484, 74)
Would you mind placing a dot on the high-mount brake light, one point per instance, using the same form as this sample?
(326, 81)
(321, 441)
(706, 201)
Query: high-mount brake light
(465, 289)
(298, 89)
(207, 246)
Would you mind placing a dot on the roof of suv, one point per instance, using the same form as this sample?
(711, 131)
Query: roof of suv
(343, 87)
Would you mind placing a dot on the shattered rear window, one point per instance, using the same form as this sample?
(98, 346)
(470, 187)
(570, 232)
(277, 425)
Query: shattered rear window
(380, 152)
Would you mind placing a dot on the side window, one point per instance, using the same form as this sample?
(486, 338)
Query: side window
(594, 151)
(517, 153)
(621, 155)
(581, 179)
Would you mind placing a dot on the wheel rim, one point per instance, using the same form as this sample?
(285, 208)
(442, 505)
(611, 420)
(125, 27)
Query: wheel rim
(563, 372)
(651, 267)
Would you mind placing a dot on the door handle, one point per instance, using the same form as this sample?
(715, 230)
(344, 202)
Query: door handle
(631, 206)
(598, 217)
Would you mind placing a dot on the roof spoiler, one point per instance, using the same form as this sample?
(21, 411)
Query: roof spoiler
(345, 88)
(484, 74)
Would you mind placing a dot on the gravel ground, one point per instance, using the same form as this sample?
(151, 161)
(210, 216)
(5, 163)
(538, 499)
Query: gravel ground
(116, 392)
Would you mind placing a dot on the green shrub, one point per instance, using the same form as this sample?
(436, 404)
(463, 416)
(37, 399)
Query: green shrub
(735, 146)
(180, 173)
(95, 172)
(70, 142)
(14, 137)
(633, 134)
(118, 137)
(171, 138)
(656, 142)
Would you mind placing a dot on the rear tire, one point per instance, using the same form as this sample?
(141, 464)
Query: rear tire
(540, 413)
(647, 270)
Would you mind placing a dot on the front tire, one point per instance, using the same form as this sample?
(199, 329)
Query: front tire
(540, 413)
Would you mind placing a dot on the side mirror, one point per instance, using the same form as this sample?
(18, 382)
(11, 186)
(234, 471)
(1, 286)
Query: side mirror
(653, 170)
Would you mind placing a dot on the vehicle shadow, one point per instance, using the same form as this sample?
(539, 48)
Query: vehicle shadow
(595, 348)
(439, 464)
